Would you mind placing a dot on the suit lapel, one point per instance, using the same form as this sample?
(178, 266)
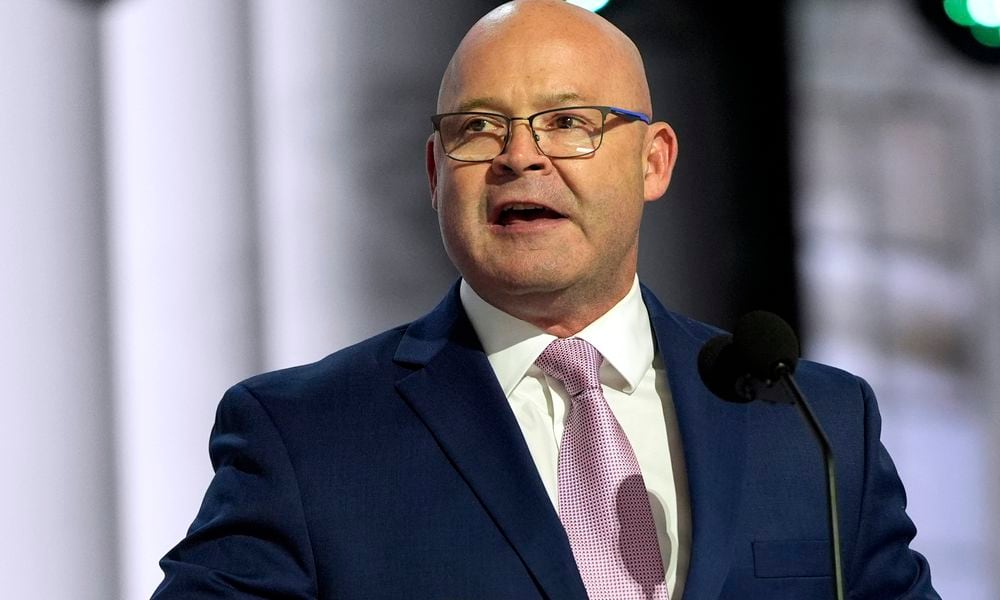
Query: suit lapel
(713, 434)
(454, 391)
(452, 388)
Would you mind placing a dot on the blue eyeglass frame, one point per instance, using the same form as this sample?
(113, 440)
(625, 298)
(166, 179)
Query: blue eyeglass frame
(624, 113)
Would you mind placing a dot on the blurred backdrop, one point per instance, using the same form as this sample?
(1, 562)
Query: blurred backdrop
(194, 192)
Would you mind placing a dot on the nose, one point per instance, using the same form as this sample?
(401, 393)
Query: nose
(521, 154)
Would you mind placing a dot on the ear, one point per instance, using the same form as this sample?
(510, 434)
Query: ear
(432, 170)
(659, 156)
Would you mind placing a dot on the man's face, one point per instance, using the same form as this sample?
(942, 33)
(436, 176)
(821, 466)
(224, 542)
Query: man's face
(524, 223)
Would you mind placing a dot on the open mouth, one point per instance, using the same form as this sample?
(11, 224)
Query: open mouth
(514, 214)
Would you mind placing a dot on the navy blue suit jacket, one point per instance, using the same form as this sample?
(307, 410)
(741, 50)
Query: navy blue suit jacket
(395, 469)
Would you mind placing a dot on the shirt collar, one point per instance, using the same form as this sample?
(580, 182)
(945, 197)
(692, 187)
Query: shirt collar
(622, 335)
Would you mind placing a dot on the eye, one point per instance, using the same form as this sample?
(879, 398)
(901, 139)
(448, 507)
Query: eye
(570, 120)
(476, 125)
(567, 122)
(481, 124)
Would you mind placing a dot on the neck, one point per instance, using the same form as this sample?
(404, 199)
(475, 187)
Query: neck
(562, 313)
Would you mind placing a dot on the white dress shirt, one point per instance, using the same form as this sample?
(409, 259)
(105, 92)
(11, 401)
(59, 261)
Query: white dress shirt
(635, 384)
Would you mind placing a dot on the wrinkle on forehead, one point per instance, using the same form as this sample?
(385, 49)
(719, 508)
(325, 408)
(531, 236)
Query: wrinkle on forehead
(535, 23)
(494, 103)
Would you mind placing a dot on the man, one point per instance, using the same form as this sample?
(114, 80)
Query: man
(543, 432)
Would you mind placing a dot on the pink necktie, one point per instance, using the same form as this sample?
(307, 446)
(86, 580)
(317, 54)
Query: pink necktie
(602, 497)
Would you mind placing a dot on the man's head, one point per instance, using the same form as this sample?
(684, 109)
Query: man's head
(553, 241)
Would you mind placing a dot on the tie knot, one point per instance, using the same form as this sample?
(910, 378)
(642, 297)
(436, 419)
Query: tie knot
(574, 362)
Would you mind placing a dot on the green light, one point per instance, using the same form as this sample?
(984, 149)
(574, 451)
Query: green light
(984, 12)
(982, 17)
(591, 5)
(987, 36)
(958, 11)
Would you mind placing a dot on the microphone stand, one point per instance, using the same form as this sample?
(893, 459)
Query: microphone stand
(784, 374)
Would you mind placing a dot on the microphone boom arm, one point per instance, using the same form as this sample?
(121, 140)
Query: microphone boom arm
(785, 375)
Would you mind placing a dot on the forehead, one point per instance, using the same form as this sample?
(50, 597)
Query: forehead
(536, 66)
(550, 73)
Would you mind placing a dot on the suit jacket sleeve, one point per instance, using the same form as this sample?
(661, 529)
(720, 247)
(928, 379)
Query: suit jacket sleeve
(249, 539)
(883, 565)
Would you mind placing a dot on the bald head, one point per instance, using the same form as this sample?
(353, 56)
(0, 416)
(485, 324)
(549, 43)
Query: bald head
(524, 35)
(552, 240)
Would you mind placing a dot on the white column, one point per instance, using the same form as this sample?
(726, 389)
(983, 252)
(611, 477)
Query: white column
(183, 256)
(57, 507)
(311, 228)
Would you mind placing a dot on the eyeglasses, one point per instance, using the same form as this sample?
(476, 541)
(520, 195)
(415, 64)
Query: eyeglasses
(558, 133)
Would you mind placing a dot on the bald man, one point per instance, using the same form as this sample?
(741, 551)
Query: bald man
(543, 432)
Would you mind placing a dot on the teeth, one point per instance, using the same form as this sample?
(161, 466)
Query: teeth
(519, 206)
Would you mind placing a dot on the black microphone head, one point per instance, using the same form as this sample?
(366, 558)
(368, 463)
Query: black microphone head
(762, 341)
(719, 368)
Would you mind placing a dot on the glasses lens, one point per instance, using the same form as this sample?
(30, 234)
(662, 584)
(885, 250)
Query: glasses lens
(473, 136)
(568, 132)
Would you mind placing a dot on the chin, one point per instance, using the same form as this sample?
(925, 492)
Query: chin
(520, 283)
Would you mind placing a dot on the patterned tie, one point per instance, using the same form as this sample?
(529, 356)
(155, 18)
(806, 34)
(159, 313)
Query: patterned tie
(602, 497)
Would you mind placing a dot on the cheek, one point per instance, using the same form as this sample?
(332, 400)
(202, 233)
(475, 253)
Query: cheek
(450, 219)
(461, 189)
(458, 209)
(616, 199)
(610, 182)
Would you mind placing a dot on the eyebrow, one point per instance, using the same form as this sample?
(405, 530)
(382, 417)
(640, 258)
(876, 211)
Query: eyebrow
(561, 98)
(476, 103)
(548, 100)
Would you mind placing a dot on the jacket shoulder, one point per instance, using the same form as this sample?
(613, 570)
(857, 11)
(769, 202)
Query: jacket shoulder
(362, 364)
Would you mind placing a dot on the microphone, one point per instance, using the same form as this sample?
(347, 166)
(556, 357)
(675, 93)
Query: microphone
(749, 365)
(743, 367)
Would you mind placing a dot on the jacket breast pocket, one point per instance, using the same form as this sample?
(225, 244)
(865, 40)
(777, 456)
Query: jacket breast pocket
(792, 558)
